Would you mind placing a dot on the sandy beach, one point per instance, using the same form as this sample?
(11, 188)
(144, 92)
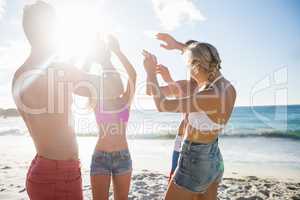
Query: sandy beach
(223, 74)
(150, 178)
(152, 186)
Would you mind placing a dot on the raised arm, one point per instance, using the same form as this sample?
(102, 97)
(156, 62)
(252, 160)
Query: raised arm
(82, 83)
(171, 89)
(179, 88)
(174, 88)
(205, 100)
(170, 43)
(130, 89)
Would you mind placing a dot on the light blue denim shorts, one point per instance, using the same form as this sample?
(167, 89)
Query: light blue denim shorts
(199, 166)
(111, 163)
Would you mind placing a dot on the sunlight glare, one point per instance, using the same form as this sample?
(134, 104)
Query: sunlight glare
(77, 28)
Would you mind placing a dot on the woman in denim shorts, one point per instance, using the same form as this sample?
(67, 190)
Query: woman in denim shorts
(208, 108)
(111, 159)
(174, 89)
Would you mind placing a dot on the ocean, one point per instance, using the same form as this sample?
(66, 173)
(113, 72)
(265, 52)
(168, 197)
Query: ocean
(259, 121)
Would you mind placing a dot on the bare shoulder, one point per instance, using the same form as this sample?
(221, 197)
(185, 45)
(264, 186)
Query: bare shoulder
(230, 92)
(230, 87)
(227, 86)
(15, 78)
(222, 89)
(16, 75)
(16, 88)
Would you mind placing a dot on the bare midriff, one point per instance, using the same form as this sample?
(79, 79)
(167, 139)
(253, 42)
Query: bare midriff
(112, 137)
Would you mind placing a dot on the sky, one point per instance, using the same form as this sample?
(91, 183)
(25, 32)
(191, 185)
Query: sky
(258, 41)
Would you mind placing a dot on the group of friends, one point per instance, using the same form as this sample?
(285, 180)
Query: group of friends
(43, 89)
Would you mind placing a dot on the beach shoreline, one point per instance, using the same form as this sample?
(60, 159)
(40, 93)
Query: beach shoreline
(253, 180)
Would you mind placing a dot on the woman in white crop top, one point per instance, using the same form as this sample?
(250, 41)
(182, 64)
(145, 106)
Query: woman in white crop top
(207, 108)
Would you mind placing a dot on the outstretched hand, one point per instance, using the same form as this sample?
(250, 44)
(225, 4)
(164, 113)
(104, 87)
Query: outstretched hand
(169, 42)
(113, 44)
(150, 62)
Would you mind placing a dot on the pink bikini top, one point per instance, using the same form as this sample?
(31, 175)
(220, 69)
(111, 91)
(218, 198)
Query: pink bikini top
(107, 117)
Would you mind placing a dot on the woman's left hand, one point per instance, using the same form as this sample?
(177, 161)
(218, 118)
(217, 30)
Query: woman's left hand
(150, 62)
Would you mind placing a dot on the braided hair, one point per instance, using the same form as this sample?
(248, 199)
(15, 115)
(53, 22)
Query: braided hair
(206, 56)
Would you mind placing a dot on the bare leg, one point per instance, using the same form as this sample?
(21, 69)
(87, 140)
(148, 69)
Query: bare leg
(176, 193)
(121, 186)
(100, 187)
(211, 194)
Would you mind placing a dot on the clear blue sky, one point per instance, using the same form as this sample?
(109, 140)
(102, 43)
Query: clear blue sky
(255, 39)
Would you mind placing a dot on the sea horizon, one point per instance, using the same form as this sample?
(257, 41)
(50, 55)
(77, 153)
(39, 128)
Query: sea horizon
(236, 106)
(246, 121)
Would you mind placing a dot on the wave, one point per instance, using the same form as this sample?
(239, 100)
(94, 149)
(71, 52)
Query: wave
(293, 134)
(5, 132)
(163, 134)
(271, 134)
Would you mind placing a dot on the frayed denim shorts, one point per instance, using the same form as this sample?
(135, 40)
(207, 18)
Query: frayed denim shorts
(199, 166)
(111, 163)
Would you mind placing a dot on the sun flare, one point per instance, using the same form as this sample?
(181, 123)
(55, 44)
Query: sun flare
(77, 28)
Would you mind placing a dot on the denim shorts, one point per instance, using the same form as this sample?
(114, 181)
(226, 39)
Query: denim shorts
(111, 163)
(199, 166)
(175, 158)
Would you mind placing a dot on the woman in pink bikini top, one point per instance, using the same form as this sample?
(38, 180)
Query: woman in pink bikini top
(111, 160)
(108, 117)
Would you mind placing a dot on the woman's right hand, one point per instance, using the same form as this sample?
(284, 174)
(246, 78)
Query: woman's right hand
(164, 72)
(113, 44)
(170, 42)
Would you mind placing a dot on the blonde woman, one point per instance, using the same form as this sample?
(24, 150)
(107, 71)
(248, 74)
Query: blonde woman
(177, 89)
(207, 109)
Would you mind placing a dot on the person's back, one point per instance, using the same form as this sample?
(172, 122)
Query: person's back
(44, 102)
(42, 92)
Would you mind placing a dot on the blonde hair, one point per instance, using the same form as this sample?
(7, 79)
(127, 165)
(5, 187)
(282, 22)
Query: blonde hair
(206, 56)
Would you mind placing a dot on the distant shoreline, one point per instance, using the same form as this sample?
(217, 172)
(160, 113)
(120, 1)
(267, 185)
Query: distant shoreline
(240, 106)
(168, 136)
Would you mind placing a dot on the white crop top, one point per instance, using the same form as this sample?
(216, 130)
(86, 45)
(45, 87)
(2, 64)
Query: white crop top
(200, 120)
